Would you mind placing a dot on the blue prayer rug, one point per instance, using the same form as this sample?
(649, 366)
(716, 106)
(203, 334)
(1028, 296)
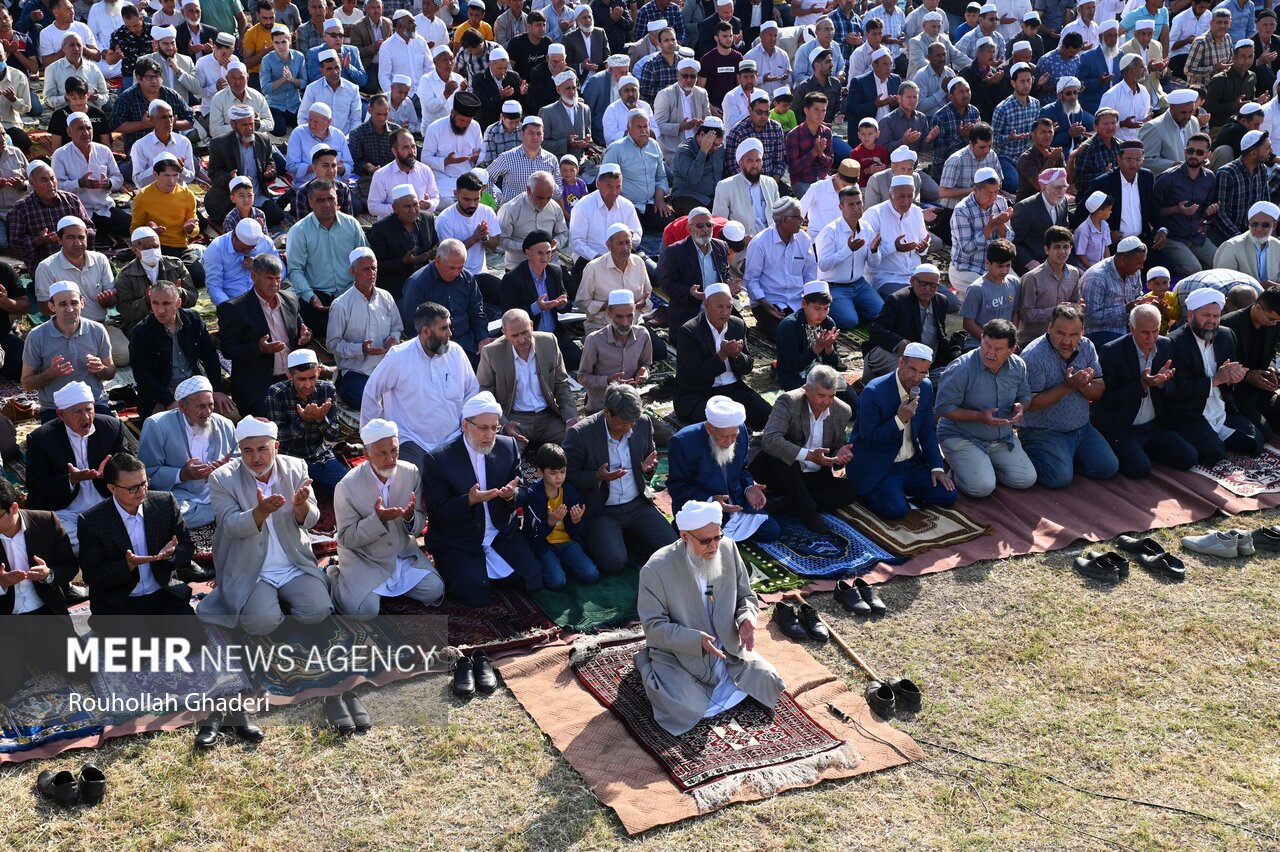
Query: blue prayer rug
(844, 552)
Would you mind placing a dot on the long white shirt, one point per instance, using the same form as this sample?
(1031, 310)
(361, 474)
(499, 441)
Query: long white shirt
(353, 319)
(820, 205)
(735, 107)
(775, 64)
(134, 525)
(1186, 25)
(397, 56)
(888, 264)
(837, 263)
(104, 19)
(26, 599)
(209, 72)
(423, 394)
(431, 30)
(51, 37)
(439, 141)
(452, 224)
(1130, 104)
(391, 175)
(87, 495)
(146, 149)
(589, 224)
(1215, 410)
(70, 164)
(277, 568)
(430, 93)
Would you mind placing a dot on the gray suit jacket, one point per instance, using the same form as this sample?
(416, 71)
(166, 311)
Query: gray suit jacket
(733, 199)
(668, 113)
(679, 677)
(163, 449)
(1162, 141)
(1239, 254)
(497, 374)
(239, 547)
(788, 428)
(186, 80)
(587, 447)
(556, 126)
(368, 547)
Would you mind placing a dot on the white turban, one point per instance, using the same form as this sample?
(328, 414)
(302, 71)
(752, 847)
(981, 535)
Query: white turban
(1266, 208)
(239, 112)
(1068, 83)
(747, 146)
(695, 515)
(724, 413)
(481, 403)
(377, 429)
(71, 395)
(902, 154)
(160, 33)
(302, 358)
(918, 350)
(1205, 296)
(195, 384)
(716, 289)
(1181, 97)
(564, 77)
(252, 427)
(78, 116)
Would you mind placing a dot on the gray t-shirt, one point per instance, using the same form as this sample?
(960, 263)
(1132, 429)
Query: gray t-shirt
(46, 342)
(986, 300)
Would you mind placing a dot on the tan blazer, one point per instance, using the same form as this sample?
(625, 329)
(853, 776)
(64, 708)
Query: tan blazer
(363, 39)
(497, 374)
(733, 200)
(668, 113)
(1155, 52)
(1240, 255)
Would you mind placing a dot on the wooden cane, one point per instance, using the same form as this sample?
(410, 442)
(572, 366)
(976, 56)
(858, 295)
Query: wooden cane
(840, 643)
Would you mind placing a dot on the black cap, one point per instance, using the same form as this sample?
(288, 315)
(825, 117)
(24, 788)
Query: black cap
(534, 238)
(466, 103)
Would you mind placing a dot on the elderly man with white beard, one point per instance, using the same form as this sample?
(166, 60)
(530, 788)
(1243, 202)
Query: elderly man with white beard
(699, 617)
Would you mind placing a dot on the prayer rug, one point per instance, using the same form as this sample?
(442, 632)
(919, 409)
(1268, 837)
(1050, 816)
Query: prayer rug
(844, 552)
(743, 738)
(767, 575)
(589, 608)
(920, 530)
(1244, 476)
(203, 539)
(512, 620)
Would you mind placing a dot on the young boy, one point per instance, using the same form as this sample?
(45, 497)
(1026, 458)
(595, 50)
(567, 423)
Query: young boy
(994, 295)
(574, 186)
(242, 198)
(1166, 301)
(782, 103)
(553, 516)
(1093, 236)
(872, 157)
(1048, 285)
(77, 91)
(170, 209)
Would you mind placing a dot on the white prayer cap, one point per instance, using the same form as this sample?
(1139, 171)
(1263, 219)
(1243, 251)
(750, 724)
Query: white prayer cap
(481, 403)
(1033, 15)
(814, 287)
(724, 2)
(569, 158)
(1106, 26)
(556, 49)
(759, 95)
(195, 384)
(240, 111)
(236, 65)
(623, 82)
(68, 221)
(361, 251)
(401, 80)
(1158, 272)
(187, 3)
(717, 288)
(578, 14)
(302, 358)
(59, 287)
(1065, 83)
(956, 81)
(533, 119)
(619, 60)
(163, 157)
(918, 350)
(498, 54)
(636, 112)
(33, 165)
(688, 65)
(279, 28)
(1205, 296)
(564, 77)
(475, 4)
(903, 180)
(142, 233)
(902, 154)
(157, 104)
(377, 429)
(1129, 244)
(435, 51)
(332, 24)
(320, 108)
(733, 232)
(248, 231)
(713, 122)
(985, 41)
(988, 9)
(1147, 24)
(401, 13)
(1181, 97)
(694, 515)
(78, 116)
(986, 174)
(926, 269)
(1243, 43)
(747, 146)
(72, 394)
(696, 212)
(482, 175)
(617, 228)
(768, 25)
(1018, 46)
(252, 427)
(403, 190)
(512, 108)
(724, 413)
(1021, 66)
(781, 91)
(326, 55)
(159, 33)
(1095, 201)
(878, 53)
(655, 25)
(1128, 59)
(935, 15)
(1266, 208)
(1250, 108)
(621, 297)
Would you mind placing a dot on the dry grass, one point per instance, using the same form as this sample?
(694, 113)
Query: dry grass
(1153, 690)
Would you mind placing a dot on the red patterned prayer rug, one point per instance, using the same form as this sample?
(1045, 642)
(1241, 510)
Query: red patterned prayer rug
(511, 620)
(1244, 476)
(743, 739)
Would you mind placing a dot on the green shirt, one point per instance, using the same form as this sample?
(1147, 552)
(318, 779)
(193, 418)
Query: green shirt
(786, 119)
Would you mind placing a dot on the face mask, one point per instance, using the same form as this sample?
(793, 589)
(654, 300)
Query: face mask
(151, 257)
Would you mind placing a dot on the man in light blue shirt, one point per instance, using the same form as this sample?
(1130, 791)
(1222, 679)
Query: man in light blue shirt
(316, 130)
(779, 262)
(645, 176)
(319, 248)
(341, 96)
(1243, 20)
(228, 259)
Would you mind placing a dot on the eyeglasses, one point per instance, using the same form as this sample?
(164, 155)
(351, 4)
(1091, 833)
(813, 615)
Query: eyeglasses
(702, 225)
(688, 76)
(476, 425)
(1259, 224)
(705, 542)
(1199, 152)
(131, 489)
(932, 285)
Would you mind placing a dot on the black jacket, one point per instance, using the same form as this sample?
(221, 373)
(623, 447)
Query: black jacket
(46, 538)
(490, 95)
(698, 364)
(795, 353)
(241, 325)
(224, 158)
(519, 291)
(1109, 183)
(1113, 413)
(986, 96)
(49, 452)
(104, 540)
(151, 354)
(678, 270)
(390, 242)
(899, 320)
(207, 34)
(1186, 393)
(1030, 221)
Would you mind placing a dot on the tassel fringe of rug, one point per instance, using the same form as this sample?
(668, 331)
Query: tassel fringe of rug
(587, 648)
(769, 780)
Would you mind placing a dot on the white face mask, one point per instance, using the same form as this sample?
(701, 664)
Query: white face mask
(151, 257)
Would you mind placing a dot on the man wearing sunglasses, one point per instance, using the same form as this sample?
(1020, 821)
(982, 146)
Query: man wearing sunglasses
(1184, 194)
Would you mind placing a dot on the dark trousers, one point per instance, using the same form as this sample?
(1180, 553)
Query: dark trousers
(116, 223)
(612, 528)
(466, 579)
(757, 409)
(19, 138)
(909, 478)
(326, 475)
(33, 642)
(1141, 445)
(650, 220)
(491, 291)
(157, 614)
(192, 259)
(273, 212)
(766, 323)
(1261, 408)
(569, 348)
(350, 387)
(317, 320)
(12, 345)
(1246, 439)
(806, 494)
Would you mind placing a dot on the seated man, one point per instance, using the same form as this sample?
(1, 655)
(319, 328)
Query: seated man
(148, 268)
(1065, 376)
(183, 445)
(674, 612)
(228, 261)
(915, 314)
(538, 285)
(526, 374)
(302, 407)
(708, 461)
(611, 454)
(779, 262)
(66, 457)
(91, 272)
(469, 490)
(622, 351)
(712, 359)
(896, 442)
(261, 554)
(173, 344)
(364, 323)
(808, 337)
(445, 281)
(1200, 398)
(1131, 412)
(980, 398)
(1256, 333)
(319, 246)
(68, 348)
(806, 437)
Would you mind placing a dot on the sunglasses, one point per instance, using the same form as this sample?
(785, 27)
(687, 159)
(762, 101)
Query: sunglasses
(705, 542)
(1259, 224)
(1199, 152)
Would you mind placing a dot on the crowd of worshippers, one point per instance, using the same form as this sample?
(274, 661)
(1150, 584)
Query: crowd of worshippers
(1079, 165)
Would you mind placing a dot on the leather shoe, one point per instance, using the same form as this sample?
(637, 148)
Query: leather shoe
(870, 595)
(1213, 543)
(1115, 560)
(246, 729)
(880, 697)
(1266, 538)
(784, 615)
(486, 680)
(1244, 542)
(814, 524)
(337, 715)
(1139, 546)
(850, 597)
(1167, 565)
(1095, 566)
(359, 714)
(195, 573)
(906, 694)
(61, 787)
(209, 731)
(813, 623)
(464, 680)
(93, 784)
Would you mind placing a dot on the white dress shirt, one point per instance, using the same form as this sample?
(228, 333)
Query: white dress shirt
(439, 141)
(735, 107)
(814, 441)
(397, 56)
(820, 205)
(430, 92)
(495, 566)
(452, 224)
(888, 264)
(390, 176)
(1215, 409)
(727, 377)
(134, 525)
(590, 222)
(431, 30)
(837, 263)
(529, 396)
(277, 568)
(624, 489)
(617, 118)
(26, 599)
(70, 164)
(1131, 208)
(209, 71)
(774, 64)
(1130, 104)
(408, 572)
(94, 278)
(145, 150)
(87, 495)
(423, 394)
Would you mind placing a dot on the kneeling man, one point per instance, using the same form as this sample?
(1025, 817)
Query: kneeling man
(699, 616)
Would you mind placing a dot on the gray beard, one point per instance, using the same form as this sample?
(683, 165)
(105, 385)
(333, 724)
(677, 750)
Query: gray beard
(1111, 52)
(1260, 242)
(1072, 113)
(723, 457)
(482, 451)
(702, 242)
(1205, 334)
(709, 571)
(435, 347)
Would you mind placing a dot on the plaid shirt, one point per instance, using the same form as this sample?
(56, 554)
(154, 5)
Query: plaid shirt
(470, 66)
(959, 169)
(30, 216)
(775, 149)
(1092, 159)
(1105, 295)
(369, 147)
(650, 12)
(948, 124)
(846, 25)
(1012, 117)
(1056, 66)
(509, 173)
(498, 142)
(390, 7)
(657, 75)
(306, 439)
(1204, 56)
(302, 201)
(1237, 192)
(969, 243)
(801, 165)
(132, 106)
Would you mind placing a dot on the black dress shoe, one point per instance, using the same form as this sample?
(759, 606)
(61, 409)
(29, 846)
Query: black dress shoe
(464, 680)
(209, 731)
(61, 787)
(195, 573)
(784, 615)
(881, 699)
(849, 597)
(247, 729)
(1167, 565)
(93, 784)
(1139, 546)
(1266, 538)
(869, 594)
(1093, 566)
(359, 714)
(482, 669)
(1114, 560)
(906, 694)
(337, 715)
(813, 624)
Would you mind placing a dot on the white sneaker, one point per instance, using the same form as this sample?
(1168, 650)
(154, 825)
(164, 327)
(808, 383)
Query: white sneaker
(1213, 543)
(1244, 540)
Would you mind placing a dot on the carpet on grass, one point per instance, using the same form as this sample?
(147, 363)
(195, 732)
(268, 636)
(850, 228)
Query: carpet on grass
(1244, 476)
(843, 552)
(767, 574)
(511, 620)
(589, 608)
(920, 530)
(628, 780)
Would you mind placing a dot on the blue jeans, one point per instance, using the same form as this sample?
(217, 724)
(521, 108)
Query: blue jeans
(350, 386)
(571, 555)
(4, 234)
(1058, 455)
(1009, 168)
(37, 107)
(909, 478)
(326, 475)
(854, 302)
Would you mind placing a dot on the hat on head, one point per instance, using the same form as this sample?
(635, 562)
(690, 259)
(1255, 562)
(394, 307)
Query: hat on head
(1048, 176)
(768, 25)
(533, 238)
(1158, 272)
(1095, 201)
(1181, 97)
(1250, 108)
(973, 7)
(1031, 16)
(401, 13)
(498, 54)
(988, 9)
(240, 111)
(327, 54)
(617, 228)
(481, 403)
(323, 149)
(570, 158)
(359, 252)
(904, 180)
(475, 4)
(782, 93)
(158, 104)
(621, 297)
(1128, 59)
(696, 212)
(918, 350)
(1019, 46)
(279, 28)
(236, 65)
(759, 95)
(252, 427)
(903, 154)
(142, 233)
(1243, 43)
(71, 395)
(79, 116)
(564, 77)
(868, 122)
(481, 175)
(850, 169)
(1065, 83)
(1205, 296)
(438, 50)
(302, 357)
(248, 231)
(159, 33)
(985, 41)
(688, 65)
(376, 430)
(713, 122)
(401, 80)
(986, 174)
(556, 49)
(956, 81)
(655, 25)
(1144, 24)
(1129, 244)
(403, 190)
(195, 384)
(814, 287)
(1251, 140)
(1023, 66)
(320, 108)
(466, 104)
(624, 81)
(637, 112)
(1106, 26)
(1266, 208)
(747, 146)
(239, 180)
(68, 221)
(935, 15)
(609, 169)
(583, 8)
(619, 60)
(716, 289)
(723, 413)
(226, 40)
(879, 53)
(747, 65)
(186, 3)
(530, 119)
(59, 287)
(926, 269)
(511, 108)
(332, 24)
(694, 515)
(733, 232)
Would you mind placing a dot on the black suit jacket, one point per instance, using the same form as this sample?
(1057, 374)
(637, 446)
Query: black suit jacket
(678, 270)
(519, 291)
(698, 364)
(1113, 413)
(390, 241)
(742, 11)
(207, 34)
(986, 96)
(104, 540)
(707, 32)
(241, 325)
(45, 538)
(224, 158)
(489, 92)
(586, 445)
(49, 453)
(151, 354)
(899, 320)
(1186, 393)
(1109, 183)
(1030, 221)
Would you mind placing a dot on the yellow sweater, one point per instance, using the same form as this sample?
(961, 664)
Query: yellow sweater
(170, 211)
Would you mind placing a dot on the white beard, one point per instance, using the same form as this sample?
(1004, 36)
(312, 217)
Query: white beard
(385, 473)
(709, 571)
(1111, 52)
(1260, 242)
(569, 102)
(1072, 113)
(482, 451)
(723, 457)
